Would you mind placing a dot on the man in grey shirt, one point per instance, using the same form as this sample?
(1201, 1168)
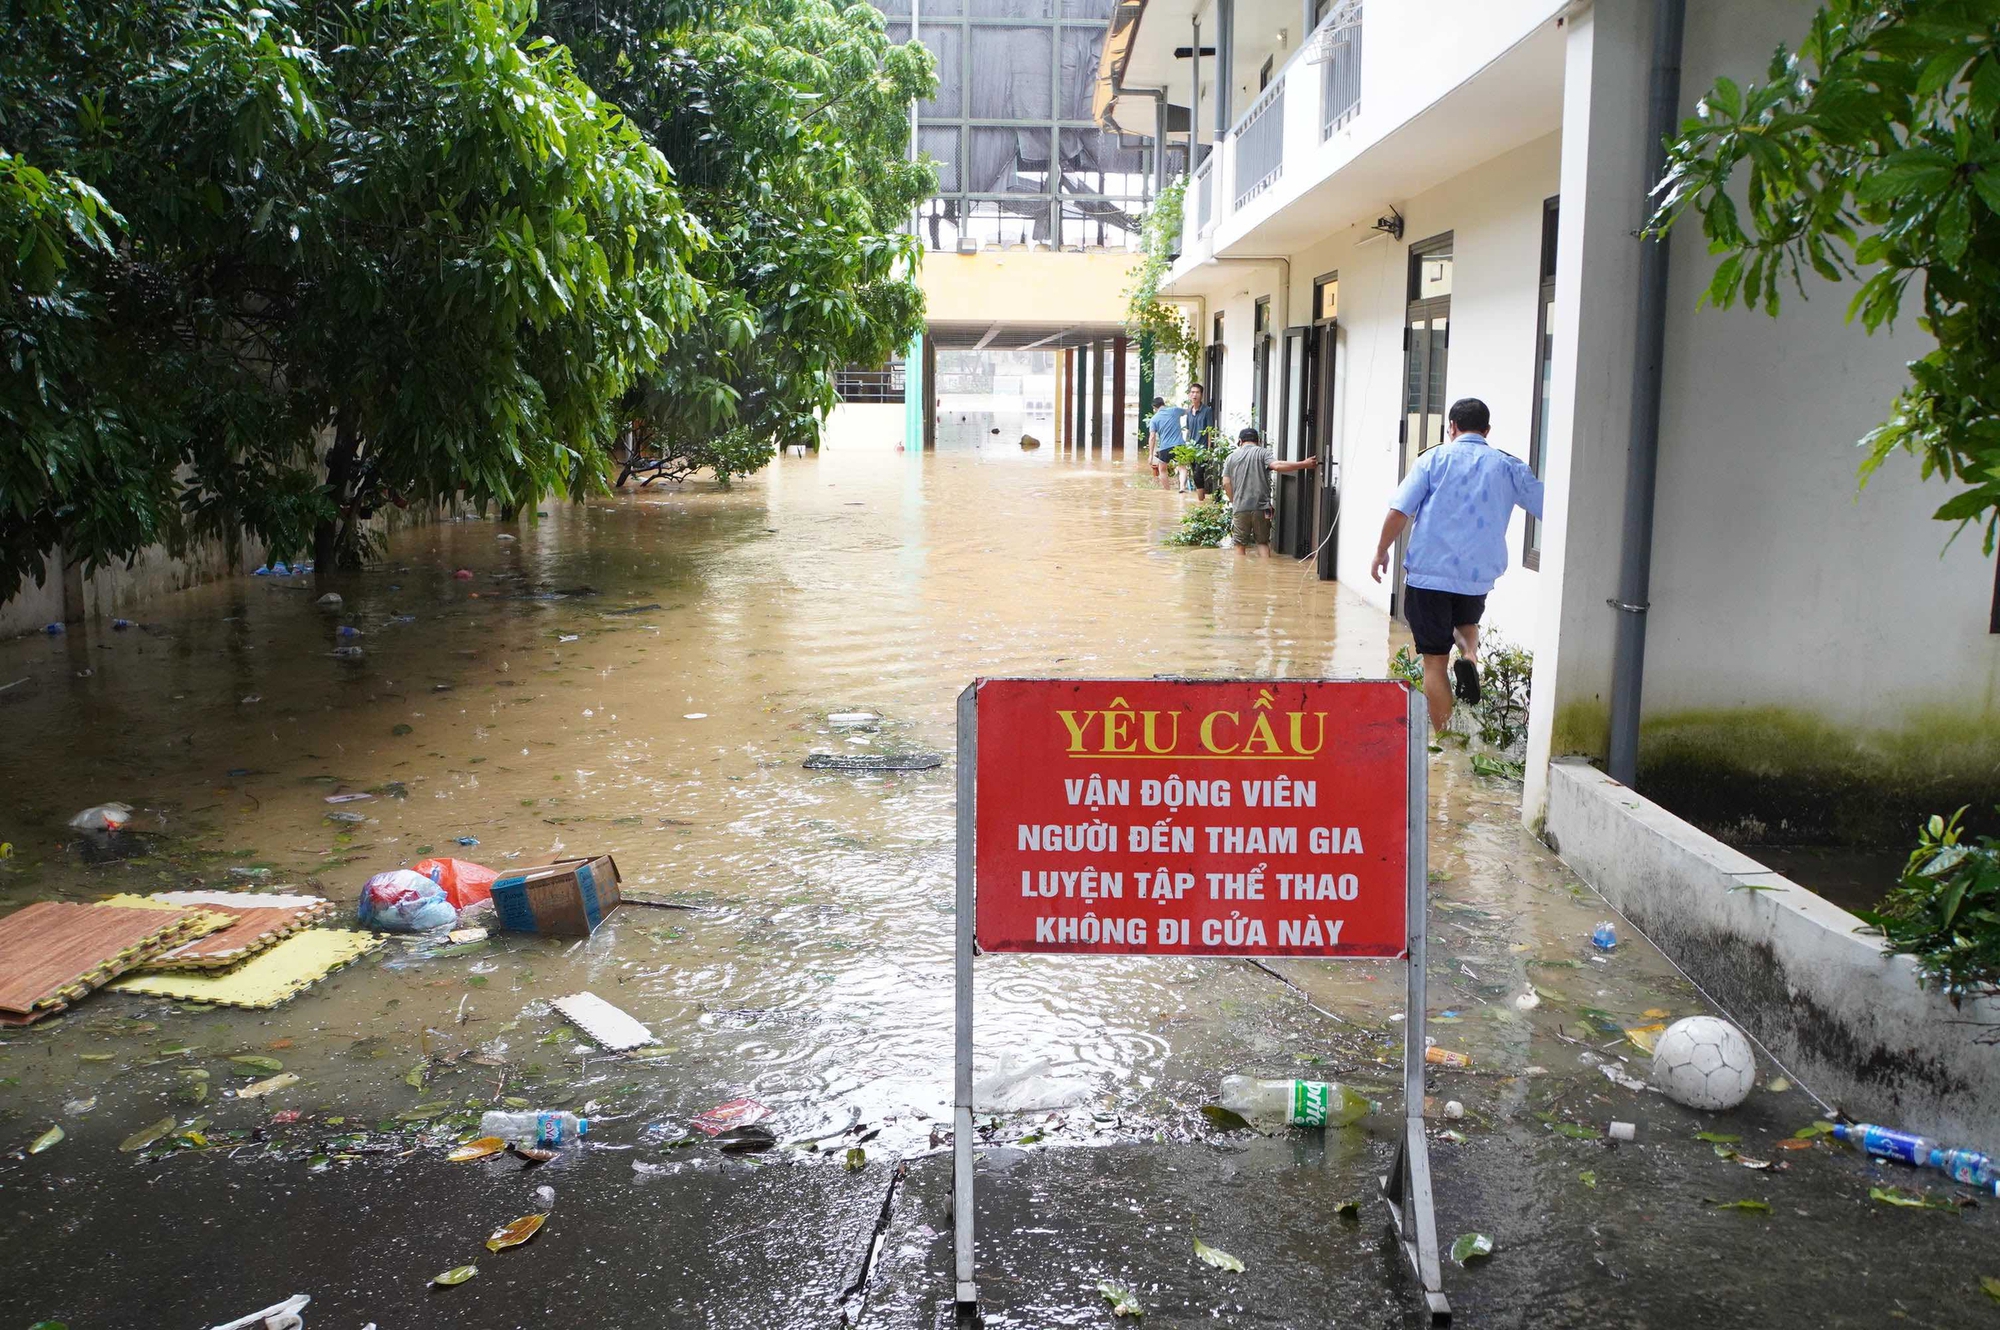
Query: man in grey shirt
(1246, 479)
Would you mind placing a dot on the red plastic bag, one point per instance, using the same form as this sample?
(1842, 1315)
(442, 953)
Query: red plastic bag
(465, 883)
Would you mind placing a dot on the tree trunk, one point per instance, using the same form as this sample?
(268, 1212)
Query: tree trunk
(327, 544)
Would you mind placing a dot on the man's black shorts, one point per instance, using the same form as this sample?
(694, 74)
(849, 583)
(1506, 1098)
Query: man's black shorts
(1433, 614)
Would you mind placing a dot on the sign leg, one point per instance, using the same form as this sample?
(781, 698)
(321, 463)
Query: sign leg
(965, 1290)
(1407, 1188)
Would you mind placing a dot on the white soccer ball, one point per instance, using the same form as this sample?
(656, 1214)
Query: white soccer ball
(1704, 1062)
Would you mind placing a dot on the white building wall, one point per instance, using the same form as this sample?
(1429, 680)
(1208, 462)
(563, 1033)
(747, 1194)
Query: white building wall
(1844, 605)
(1495, 216)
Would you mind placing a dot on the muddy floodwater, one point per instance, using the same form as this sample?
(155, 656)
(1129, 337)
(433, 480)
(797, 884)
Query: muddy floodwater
(644, 676)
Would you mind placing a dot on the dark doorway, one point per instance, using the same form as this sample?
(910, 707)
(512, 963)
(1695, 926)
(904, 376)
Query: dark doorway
(1322, 377)
(1426, 355)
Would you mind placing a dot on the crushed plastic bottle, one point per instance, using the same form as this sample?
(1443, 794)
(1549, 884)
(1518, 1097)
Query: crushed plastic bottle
(1901, 1146)
(549, 1129)
(1605, 936)
(1967, 1166)
(1297, 1103)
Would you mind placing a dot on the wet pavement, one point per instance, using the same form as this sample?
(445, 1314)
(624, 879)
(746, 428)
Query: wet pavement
(644, 676)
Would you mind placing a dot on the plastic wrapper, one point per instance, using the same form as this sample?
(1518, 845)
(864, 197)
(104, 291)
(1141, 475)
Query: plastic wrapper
(402, 901)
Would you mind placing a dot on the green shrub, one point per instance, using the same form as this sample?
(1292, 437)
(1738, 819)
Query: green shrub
(1506, 673)
(1946, 911)
(1203, 526)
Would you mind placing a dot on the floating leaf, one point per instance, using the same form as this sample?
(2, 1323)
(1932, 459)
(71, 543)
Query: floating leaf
(1471, 1247)
(1588, 1179)
(1577, 1131)
(1717, 1137)
(1723, 1151)
(458, 1274)
(479, 1149)
(516, 1233)
(1819, 1128)
(424, 1112)
(1752, 1207)
(855, 1160)
(258, 1089)
(48, 1325)
(1795, 1143)
(1122, 1300)
(1990, 1286)
(145, 1136)
(45, 1140)
(1216, 1257)
(257, 1062)
(1778, 1085)
(1224, 1119)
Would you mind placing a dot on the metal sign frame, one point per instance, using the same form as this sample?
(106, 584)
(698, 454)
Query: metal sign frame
(1406, 1188)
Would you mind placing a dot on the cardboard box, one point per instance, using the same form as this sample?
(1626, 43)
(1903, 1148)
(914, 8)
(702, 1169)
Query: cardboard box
(568, 898)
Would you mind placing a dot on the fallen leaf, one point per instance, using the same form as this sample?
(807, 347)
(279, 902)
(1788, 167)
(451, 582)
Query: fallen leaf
(1795, 1143)
(78, 1107)
(258, 1089)
(1990, 1286)
(856, 1159)
(1719, 1138)
(1818, 1128)
(1471, 1247)
(1778, 1085)
(479, 1149)
(1642, 1037)
(279, 1044)
(1224, 1119)
(1723, 1151)
(1753, 1207)
(1587, 1178)
(516, 1233)
(458, 1274)
(1216, 1257)
(257, 1062)
(1656, 1013)
(1123, 1303)
(95, 1057)
(45, 1140)
(1576, 1131)
(1910, 1200)
(145, 1136)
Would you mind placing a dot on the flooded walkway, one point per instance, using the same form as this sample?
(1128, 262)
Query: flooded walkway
(644, 676)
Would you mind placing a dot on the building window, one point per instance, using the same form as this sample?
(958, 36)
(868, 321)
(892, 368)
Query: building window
(1545, 358)
(1021, 163)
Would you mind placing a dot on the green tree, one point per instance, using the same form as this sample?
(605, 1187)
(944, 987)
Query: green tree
(1872, 155)
(1159, 246)
(787, 124)
(370, 254)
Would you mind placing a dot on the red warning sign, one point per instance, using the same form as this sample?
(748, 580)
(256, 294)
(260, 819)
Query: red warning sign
(1157, 817)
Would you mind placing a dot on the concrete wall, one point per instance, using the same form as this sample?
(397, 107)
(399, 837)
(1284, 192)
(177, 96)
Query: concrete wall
(1495, 216)
(1796, 972)
(119, 591)
(1858, 644)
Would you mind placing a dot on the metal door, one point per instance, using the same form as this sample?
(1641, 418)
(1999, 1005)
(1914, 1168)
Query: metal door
(1291, 528)
(1323, 373)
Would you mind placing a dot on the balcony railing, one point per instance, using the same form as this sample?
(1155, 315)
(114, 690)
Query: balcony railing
(1260, 143)
(1340, 71)
(1204, 194)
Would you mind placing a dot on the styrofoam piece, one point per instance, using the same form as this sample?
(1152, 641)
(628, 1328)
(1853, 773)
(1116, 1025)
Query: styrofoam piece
(853, 718)
(604, 1022)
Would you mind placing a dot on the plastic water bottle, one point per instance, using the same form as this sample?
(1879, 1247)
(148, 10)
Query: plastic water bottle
(1901, 1146)
(549, 1129)
(1968, 1166)
(1299, 1103)
(1604, 937)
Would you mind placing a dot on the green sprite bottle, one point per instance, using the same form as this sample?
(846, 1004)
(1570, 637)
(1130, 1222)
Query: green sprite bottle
(1298, 1103)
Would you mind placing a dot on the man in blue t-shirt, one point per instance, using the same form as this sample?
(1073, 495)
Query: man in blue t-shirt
(1459, 496)
(1164, 435)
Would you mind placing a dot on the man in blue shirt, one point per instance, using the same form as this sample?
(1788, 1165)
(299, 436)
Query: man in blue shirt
(1165, 428)
(1195, 424)
(1459, 496)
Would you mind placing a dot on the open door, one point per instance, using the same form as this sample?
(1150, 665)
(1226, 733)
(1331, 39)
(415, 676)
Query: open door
(1291, 527)
(1321, 371)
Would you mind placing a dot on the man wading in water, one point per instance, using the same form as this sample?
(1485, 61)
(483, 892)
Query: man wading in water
(1458, 496)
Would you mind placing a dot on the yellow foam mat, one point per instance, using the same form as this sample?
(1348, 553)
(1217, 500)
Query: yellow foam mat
(266, 979)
